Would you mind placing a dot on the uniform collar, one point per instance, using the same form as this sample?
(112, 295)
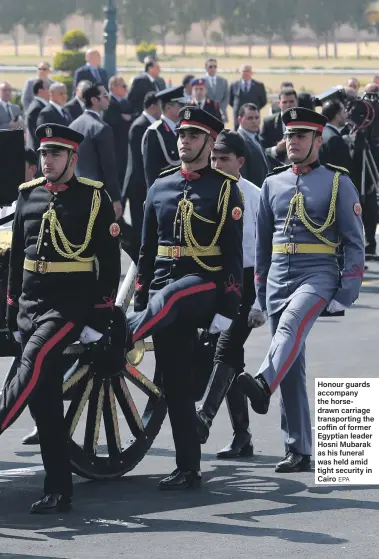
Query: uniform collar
(60, 187)
(194, 175)
(305, 169)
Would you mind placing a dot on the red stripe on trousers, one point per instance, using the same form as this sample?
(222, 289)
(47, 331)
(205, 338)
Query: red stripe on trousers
(300, 331)
(36, 371)
(163, 312)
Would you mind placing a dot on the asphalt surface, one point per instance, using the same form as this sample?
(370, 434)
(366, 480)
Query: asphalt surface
(243, 510)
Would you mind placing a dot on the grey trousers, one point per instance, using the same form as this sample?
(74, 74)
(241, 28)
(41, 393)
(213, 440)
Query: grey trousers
(284, 365)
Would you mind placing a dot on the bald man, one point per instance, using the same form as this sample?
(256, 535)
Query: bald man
(91, 71)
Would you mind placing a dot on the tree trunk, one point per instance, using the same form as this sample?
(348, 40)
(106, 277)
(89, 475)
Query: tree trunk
(326, 46)
(250, 45)
(225, 45)
(15, 40)
(204, 30)
(41, 42)
(290, 54)
(63, 27)
(184, 43)
(335, 43)
(163, 43)
(358, 43)
(269, 48)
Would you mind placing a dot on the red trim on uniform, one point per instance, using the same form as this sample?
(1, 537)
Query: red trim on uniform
(164, 311)
(257, 278)
(196, 124)
(300, 331)
(10, 300)
(36, 372)
(108, 303)
(300, 123)
(232, 285)
(357, 272)
(53, 140)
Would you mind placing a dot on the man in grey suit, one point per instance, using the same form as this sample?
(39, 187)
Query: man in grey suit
(10, 114)
(255, 167)
(218, 88)
(43, 74)
(97, 153)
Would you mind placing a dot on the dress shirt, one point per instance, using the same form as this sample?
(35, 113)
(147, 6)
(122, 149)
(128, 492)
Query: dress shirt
(8, 108)
(152, 81)
(93, 112)
(170, 123)
(119, 99)
(245, 86)
(150, 118)
(251, 194)
(95, 72)
(212, 80)
(60, 110)
(41, 100)
(254, 137)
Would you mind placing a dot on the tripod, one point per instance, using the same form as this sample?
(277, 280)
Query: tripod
(370, 171)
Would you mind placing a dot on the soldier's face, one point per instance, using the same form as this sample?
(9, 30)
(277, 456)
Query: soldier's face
(227, 162)
(298, 146)
(199, 92)
(190, 143)
(53, 163)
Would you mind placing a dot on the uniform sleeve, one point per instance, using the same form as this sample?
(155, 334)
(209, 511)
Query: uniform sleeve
(148, 252)
(16, 265)
(232, 256)
(350, 229)
(263, 248)
(151, 150)
(107, 251)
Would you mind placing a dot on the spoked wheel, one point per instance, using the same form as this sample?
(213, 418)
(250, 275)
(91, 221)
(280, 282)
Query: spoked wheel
(112, 422)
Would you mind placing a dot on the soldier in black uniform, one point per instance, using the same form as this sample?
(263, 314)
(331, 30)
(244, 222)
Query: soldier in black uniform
(189, 275)
(55, 296)
(159, 144)
(200, 99)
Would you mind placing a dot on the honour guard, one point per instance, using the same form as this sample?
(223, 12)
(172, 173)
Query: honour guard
(189, 275)
(200, 99)
(305, 212)
(56, 295)
(159, 144)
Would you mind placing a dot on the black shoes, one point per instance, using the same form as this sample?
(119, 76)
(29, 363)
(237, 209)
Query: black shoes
(257, 390)
(32, 438)
(241, 446)
(50, 504)
(203, 425)
(294, 463)
(180, 480)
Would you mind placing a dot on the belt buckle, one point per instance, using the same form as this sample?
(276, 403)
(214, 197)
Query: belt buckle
(41, 266)
(292, 248)
(175, 252)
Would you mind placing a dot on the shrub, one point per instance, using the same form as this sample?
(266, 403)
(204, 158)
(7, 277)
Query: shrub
(68, 61)
(145, 49)
(75, 40)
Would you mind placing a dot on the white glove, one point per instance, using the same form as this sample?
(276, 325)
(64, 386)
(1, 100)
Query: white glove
(89, 335)
(219, 324)
(17, 336)
(256, 318)
(335, 306)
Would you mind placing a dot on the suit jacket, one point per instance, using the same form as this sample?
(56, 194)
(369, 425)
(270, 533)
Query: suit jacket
(31, 118)
(271, 134)
(140, 87)
(5, 119)
(237, 97)
(74, 108)
(96, 153)
(334, 149)
(160, 150)
(255, 168)
(134, 186)
(219, 94)
(210, 107)
(50, 115)
(84, 73)
(120, 126)
(27, 93)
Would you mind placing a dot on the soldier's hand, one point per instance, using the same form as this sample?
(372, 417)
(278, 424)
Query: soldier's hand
(256, 318)
(219, 324)
(17, 336)
(281, 146)
(117, 206)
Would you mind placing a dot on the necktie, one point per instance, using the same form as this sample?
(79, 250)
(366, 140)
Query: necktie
(10, 112)
(65, 116)
(96, 74)
(245, 87)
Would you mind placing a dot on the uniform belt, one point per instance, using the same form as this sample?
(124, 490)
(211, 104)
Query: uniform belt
(43, 267)
(179, 252)
(302, 248)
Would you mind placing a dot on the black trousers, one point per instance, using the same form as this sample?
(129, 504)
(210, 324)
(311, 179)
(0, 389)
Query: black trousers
(38, 382)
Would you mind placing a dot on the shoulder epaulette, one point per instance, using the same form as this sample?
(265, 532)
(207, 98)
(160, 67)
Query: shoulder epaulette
(226, 175)
(337, 168)
(277, 170)
(169, 171)
(32, 183)
(90, 182)
(155, 124)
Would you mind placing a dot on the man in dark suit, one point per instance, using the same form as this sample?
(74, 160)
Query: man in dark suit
(40, 101)
(145, 82)
(96, 153)
(134, 188)
(75, 107)
(273, 128)
(334, 149)
(92, 71)
(159, 144)
(246, 90)
(201, 100)
(119, 117)
(255, 167)
(54, 112)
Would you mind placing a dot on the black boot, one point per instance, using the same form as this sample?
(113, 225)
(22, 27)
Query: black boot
(239, 415)
(218, 386)
(52, 503)
(294, 462)
(32, 438)
(257, 390)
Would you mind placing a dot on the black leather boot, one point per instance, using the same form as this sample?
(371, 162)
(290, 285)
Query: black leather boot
(294, 462)
(52, 503)
(257, 390)
(239, 415)
(218, 386)
(32, 438)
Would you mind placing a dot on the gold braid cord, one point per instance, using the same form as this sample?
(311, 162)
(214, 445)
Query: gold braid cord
(297, 202)
(56, 230)
(185, 207)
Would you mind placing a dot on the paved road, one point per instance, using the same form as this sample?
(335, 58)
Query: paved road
(244, 508)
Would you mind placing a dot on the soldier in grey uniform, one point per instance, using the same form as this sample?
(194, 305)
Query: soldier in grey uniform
(305, 212)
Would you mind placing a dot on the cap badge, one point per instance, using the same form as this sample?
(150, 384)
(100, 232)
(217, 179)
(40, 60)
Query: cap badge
(48, 132)
(187, 114)
(293, 114)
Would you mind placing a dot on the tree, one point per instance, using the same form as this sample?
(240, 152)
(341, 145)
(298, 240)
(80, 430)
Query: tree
(207, 11)
(184, 18)
(138, 20)
(319, 20)
(268, 16)
(11, 15)
(93, 8)
(163, 18)
(230, 20)
(356, 16)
